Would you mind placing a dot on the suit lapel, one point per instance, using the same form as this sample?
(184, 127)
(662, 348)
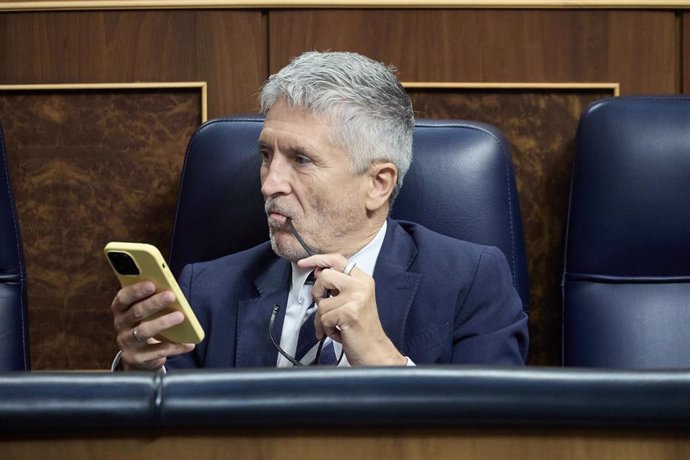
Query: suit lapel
(254, 347)
(395, 285)
(395, 290)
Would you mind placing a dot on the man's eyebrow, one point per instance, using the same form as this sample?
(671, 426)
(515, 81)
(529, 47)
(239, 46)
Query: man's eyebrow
(299, 150)
(293, 150)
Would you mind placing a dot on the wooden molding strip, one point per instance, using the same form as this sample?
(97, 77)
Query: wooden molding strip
(56, 5)
(613, 87)
(201, 85)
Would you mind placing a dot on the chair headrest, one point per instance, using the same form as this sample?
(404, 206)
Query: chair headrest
(630, 194)
(461, 184)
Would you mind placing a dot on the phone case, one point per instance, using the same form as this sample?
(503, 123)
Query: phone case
(152, 267)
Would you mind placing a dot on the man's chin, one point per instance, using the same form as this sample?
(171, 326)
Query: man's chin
(287, 251)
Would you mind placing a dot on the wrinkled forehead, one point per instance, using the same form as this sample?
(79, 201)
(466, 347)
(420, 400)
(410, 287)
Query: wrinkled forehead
(287, 118)
(293, 129)
(330, 113)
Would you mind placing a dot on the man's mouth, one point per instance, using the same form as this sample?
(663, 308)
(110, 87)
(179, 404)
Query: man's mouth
(276, 219)
(277, 215)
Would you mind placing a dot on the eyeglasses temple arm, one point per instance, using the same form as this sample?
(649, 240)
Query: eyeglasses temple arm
(306, 247)
(270, 334)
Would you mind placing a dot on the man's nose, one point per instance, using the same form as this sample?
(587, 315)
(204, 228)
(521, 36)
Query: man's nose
(274, 177)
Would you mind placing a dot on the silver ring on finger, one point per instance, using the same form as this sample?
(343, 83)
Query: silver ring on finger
(349, 267)
(135, 333)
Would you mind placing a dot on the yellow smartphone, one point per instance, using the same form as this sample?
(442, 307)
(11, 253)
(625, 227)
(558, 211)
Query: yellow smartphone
(134, 262)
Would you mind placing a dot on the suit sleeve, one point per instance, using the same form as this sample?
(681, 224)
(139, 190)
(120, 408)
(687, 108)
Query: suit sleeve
(187, 360)
(490, 324)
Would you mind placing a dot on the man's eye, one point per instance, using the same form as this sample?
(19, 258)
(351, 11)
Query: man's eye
(301, 160)
(265, 155)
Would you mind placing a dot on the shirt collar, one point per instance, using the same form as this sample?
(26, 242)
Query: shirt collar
(365, 258)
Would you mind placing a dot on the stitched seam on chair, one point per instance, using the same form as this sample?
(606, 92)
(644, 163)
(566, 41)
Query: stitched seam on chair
(507, 158)
(182, 181)
(184, 167)
(573, 172)
(512, 230)
(13, 278)
(622, 279)
(157, 402)
(600, 278)
(21, 310)
(179, 194)
(622, 99)
(19, 250)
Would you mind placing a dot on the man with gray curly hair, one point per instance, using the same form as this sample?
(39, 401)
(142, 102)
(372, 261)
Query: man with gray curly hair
(359, 288)
(369, 111)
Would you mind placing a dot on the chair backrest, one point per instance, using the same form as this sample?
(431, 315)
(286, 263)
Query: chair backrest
(626, 281)
(461, 184)
(14, 331)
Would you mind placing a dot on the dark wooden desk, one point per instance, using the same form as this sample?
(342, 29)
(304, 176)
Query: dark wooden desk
(350, 444)
(410, 413)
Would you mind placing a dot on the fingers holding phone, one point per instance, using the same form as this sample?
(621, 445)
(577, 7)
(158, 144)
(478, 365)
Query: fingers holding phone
(151, 315)
(134, 304)
(131, 308)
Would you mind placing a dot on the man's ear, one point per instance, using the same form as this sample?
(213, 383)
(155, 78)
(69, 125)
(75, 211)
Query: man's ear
(382, 180)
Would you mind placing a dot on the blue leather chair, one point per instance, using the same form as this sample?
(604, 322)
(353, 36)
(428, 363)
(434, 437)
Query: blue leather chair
(461, 184)
(626, 281)
(14, 322)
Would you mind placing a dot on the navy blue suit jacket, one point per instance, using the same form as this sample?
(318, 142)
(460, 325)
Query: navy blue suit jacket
(440, 300)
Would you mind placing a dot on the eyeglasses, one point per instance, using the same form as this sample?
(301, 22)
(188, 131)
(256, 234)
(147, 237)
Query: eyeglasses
(286, 355)
(276, 309)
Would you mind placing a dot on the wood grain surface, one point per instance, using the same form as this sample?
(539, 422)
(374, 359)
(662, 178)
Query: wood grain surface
(89, 167)
(233, 50)
(226, 49)
(637, 49)
(385, 443)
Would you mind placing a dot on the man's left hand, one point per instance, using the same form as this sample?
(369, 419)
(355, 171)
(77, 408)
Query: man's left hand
(347, 312)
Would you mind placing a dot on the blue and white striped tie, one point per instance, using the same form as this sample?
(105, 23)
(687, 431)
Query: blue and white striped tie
(307, 343)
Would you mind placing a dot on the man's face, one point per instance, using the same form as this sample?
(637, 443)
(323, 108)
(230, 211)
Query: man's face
(307, 177)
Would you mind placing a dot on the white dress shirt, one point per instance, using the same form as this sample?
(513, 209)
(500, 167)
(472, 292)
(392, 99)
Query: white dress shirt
(299, 299)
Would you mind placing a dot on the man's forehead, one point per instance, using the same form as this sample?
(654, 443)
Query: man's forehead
(288, 124)
(271, 136)
(282, 109)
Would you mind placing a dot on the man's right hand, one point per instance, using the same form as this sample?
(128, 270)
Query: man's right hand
(131, 306)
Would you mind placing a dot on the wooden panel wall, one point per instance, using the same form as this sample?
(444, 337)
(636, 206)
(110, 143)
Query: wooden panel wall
(637, 49)
(235, 50)
(108, 168)
(226, 49)
(89, 167)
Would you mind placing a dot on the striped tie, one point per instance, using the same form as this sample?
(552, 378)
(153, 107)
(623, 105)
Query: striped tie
(307, 343)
